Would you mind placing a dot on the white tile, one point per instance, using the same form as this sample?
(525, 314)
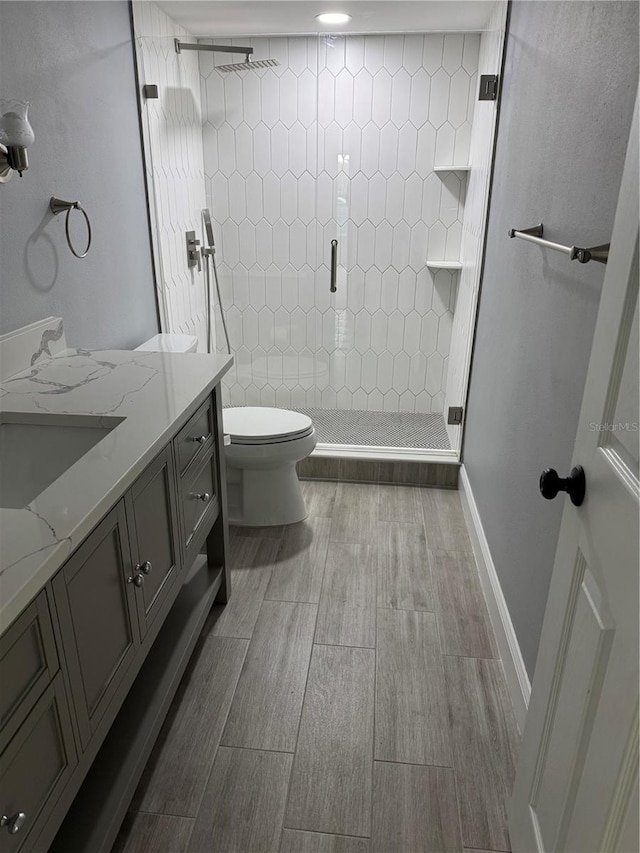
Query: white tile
(298, 244)
(219, 197)
(307, 98)
(389, 298)
(354, 59)
(439, 103)
(449, 198)
(400, 97)
(332, 148)
(434, 373)
(297, 55)
(279, 149)
(458, 97)
(379, 322)
(400, 247)
(247, 243)
(251, 100)
(419, 98)
(413, 199)
(384, 246)
(362, 98)
(453, 242)
(394, 201)
(372, 287)
(355, 289)
(462, 145)
(423, 402)
(369, 371)
(388, 149)
(266, 328)
(418, 246)
(262, 149)
(376, 198)
(233, 99)
(370, 149)
(374, 53)
(230, 243)
(407, 150)
(288, 98)
(281, 244)
(335, 53)
(432, 54)
(375, 401)
(362, 331)
(306, 198)
(395, 332)
(359, 197)
(425, 150)
(344, 98)
(412, 53)
(452, 55)
(431, 192)
(417, 372)
(249, 328)
(352, 375)
(288, 198)
(297, 142)
(444, 334)
(366, 246)
(325, 198)
(429, 333)
(391, 401)
(271, 197)
(227, 150)
(326, 98)
(412, 328)
(470, 52)
(385, 372)
(393, 53)
(237, 198)
(437, 241)
(264, 244)
(351, 147)
(381, 98)
(253, 189)
(401, 371)
(406, 290)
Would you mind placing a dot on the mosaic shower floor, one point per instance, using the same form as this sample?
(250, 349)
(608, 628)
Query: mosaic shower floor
(379, 429)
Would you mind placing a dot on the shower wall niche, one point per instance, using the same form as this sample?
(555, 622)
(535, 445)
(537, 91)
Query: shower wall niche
(349, 138)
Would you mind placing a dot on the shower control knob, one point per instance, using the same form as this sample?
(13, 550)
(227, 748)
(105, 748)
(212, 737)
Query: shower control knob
(574, 485)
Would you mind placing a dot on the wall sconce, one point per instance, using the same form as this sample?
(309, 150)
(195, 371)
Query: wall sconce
(16, 135)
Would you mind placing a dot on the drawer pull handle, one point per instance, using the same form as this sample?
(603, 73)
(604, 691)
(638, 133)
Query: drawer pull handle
(145, 567)
(205, 497)
(13, 823)
(200, 439)
(136, 580)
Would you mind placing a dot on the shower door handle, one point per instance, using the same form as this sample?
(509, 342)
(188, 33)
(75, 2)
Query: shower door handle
(334, 265)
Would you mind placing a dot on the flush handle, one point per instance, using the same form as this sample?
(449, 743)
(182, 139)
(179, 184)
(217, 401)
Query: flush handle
(334, 265)
(574, 485)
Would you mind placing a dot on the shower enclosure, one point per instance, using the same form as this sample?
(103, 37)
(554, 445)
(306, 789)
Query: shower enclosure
(372, 141)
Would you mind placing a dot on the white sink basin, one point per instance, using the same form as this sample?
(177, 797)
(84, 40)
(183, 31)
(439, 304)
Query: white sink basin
(37, 449)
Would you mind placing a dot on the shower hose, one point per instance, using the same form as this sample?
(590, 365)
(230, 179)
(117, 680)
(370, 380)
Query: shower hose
(211, 253)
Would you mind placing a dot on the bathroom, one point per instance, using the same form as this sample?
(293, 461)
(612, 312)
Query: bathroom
(445, 372)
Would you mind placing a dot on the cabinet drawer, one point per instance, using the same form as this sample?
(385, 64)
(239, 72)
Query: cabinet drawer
(35, 767)
(199, 498)
(28, 662)
(197, 434)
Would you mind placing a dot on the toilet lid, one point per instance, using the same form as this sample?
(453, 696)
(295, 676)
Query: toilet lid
(262, 425)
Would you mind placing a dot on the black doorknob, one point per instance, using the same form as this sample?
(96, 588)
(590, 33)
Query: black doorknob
(574, 485)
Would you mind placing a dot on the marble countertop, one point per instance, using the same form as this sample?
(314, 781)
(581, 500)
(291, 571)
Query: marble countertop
(153, 392)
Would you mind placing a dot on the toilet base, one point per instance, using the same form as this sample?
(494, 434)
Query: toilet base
(264, 497)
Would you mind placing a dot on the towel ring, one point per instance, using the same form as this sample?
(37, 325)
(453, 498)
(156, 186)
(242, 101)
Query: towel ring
(57, 205)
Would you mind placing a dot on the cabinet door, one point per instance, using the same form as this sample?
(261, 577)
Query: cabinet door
(35, 767)
(97, 613)
(152, 521)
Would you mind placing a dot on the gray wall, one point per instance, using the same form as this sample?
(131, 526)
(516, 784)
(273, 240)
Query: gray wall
(569, 88)
(74, 62)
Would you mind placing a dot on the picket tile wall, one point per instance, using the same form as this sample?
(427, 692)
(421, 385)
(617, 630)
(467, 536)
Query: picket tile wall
(340, 142)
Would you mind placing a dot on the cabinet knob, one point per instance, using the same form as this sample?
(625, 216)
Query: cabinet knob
(200, 439)
(13, 823)
(136, 580)
(145, 567)
(205, 497)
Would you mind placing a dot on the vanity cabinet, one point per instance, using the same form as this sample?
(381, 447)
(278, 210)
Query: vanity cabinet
(95, 600)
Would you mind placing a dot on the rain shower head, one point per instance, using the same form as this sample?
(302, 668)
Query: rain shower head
(247, 65)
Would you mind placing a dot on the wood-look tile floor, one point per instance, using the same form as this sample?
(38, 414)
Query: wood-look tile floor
(348, 699)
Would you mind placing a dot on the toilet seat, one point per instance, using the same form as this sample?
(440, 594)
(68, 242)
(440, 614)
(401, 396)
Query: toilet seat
(260, 425)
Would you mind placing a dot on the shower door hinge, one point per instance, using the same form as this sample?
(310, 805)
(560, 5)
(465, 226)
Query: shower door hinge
(488, 87)
(454, 415)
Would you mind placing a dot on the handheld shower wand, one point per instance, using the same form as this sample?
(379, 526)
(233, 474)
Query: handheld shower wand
(209, 251)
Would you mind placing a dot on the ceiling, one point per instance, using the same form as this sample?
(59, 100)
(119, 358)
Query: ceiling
(280, 17)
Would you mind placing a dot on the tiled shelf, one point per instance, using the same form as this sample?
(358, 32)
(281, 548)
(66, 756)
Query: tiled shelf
(444, 265)
(459, 168)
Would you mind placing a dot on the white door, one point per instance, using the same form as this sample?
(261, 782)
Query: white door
(576, 786)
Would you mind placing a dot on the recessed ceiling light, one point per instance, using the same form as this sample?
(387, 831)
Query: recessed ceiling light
(333, 18)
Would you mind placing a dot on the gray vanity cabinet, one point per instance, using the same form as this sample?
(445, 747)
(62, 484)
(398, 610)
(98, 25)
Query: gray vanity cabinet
(98, 620)
(153, 535)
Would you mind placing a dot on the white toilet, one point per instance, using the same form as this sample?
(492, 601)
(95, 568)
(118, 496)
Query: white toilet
(262, 484)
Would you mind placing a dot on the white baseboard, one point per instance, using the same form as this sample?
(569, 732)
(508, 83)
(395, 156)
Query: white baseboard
(517, 679)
